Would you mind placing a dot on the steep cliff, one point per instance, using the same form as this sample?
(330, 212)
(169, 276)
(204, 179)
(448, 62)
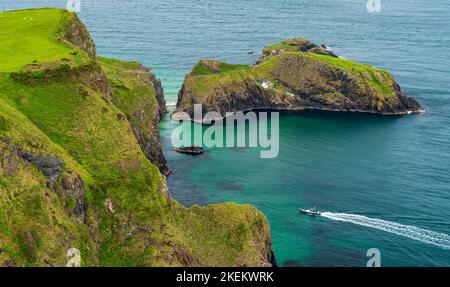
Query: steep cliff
(294, 75)
(139, 95)
(80, 161)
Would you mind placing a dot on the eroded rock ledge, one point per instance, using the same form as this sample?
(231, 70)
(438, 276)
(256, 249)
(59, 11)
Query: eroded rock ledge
(294, 75)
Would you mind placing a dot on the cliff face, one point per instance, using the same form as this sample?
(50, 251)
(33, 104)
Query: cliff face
(294, 75)
(80, 162)
(139, 95)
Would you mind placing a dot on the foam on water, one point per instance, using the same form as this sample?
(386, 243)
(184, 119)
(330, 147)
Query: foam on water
(426, 236)
(171, 103)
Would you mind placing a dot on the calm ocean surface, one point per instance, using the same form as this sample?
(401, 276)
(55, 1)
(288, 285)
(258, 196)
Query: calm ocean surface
(384, 182)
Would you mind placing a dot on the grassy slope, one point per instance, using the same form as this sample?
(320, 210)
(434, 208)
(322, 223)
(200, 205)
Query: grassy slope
(38, 41)
(32, 218)
(131, 95)
(69, 119)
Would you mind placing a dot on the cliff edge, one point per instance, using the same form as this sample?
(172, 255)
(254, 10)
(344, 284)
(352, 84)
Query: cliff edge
(81, 164)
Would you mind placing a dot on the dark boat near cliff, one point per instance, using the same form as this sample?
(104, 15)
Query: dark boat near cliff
(192, 150)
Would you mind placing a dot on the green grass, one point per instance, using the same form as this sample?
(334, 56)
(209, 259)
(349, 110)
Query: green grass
(110, 64)
(31, 36)
(279, 47)
(31, 213)
(364, 71)
(211, 67)
(217, 74)
(49, 109)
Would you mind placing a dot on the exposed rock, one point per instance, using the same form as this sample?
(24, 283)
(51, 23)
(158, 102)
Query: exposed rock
(69, 187)
(72, 190)
(49, 165)
(295, 45)
(91, 75)
(298, 75)
(159, 91)
(9, 263)
(152, 145)
(270, 255)
(164, 190)
(147, 228)
(185, 258)
(143, 117)
(78, 35)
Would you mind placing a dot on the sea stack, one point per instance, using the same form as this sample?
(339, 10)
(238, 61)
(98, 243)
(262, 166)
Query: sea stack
(294, 75)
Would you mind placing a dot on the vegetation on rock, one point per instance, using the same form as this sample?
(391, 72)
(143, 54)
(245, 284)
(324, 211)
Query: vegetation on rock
(301, 75)
(79, 161)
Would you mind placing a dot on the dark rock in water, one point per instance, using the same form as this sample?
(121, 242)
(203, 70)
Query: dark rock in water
(194, 150)
(292, 263)
(230, 186)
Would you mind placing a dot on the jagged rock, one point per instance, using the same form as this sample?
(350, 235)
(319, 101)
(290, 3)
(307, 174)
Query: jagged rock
(78, 35)
(69, 187)
(144, 121)
(49, 165)
(72, 190)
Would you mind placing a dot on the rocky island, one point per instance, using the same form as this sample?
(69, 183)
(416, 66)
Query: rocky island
(294, 75)
(81, 165)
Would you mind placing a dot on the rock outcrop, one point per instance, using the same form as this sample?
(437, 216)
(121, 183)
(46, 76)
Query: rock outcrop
(74, 31)
(294, 75)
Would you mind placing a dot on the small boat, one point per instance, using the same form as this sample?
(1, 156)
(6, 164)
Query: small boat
(192, 150)
(311, 211)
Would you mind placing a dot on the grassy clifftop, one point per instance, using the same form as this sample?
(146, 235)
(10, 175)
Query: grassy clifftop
(294, 75)
(80, 161)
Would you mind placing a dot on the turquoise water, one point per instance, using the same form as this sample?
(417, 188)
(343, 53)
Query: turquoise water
(389, 176)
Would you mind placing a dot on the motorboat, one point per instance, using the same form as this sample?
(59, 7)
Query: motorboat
(311, 211)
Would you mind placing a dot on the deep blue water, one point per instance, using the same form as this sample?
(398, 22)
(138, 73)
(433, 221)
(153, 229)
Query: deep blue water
(393, 169)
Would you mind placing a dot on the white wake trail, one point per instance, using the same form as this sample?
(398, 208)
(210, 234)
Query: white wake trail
(426, 236)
